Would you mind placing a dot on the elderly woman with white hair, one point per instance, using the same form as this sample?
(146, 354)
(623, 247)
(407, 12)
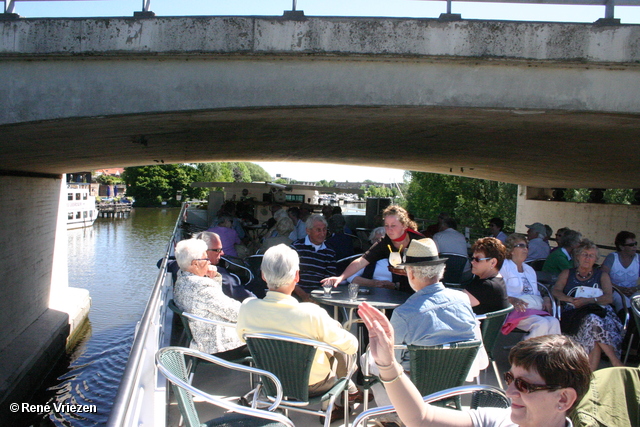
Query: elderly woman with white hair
(376, 275)
(283, 229)
(198, 291)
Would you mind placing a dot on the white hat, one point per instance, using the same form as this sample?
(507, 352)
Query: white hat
(422, 252)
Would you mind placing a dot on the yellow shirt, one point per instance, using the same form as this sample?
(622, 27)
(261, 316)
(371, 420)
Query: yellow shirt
(279, 313)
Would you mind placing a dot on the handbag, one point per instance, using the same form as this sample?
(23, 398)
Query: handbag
(586, 292)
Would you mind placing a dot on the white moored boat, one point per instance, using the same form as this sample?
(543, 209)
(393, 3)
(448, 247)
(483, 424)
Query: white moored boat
(81, 206)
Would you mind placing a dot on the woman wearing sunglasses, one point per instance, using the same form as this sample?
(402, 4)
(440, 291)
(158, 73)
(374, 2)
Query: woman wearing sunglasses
(548, 376)
(487, 290)
(623, 266)
(532, 312)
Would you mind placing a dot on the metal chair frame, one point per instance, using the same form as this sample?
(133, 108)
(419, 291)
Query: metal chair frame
(362, 419)
(489, 337)
(415, 349)
(184, 316)
(301, 405)
(448, 270)
(185, 391)
(238, 264)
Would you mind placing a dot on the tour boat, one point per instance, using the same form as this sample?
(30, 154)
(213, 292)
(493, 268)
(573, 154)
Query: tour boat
(81, 206)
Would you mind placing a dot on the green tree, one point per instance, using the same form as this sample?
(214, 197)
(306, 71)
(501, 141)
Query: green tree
(471, 201)
(258, 174)
(108, 179)
(151, 185)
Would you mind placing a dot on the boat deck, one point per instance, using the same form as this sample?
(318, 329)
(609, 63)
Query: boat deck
(221, 382)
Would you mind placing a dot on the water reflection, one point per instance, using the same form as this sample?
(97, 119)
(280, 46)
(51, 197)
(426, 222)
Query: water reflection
(115, 260)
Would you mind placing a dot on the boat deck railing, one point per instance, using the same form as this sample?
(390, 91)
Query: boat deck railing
(141, 396)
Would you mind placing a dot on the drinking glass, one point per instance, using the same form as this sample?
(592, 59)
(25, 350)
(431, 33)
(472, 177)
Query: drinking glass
(395, 258)
(353, 291)
(327, 290)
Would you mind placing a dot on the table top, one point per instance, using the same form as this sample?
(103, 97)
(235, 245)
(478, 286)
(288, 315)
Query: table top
(380, 298)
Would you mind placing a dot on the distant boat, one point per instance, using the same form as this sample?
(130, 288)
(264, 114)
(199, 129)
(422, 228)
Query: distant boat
(81, 206)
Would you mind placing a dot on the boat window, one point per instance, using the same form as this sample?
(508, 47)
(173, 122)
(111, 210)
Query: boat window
(70, 215)
(84, 214)
(299, 198)
(69, 196)
(78, 215)
(84, 196)
(77, 196)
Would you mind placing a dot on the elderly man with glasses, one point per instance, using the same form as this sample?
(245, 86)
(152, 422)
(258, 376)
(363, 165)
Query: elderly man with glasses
(231, 285)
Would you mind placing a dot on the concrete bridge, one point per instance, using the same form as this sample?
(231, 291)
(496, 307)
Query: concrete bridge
(543, 105)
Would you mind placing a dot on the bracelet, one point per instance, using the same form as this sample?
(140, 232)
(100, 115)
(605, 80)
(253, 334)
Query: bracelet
(393, 380)
(385, 366)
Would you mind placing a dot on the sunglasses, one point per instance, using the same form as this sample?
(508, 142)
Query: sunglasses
(521, 245)
(631, 244)
(524, 387)
(478, 259)
(214, 250)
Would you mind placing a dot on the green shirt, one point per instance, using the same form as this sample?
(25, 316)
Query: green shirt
(556, 262)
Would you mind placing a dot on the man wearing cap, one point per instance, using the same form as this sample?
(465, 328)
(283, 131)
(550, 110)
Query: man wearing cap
(538, 248)
(434, 315)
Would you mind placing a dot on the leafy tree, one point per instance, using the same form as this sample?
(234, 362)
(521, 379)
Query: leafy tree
(257, 173)
(471, 201)
(108, 179)
(151, 185)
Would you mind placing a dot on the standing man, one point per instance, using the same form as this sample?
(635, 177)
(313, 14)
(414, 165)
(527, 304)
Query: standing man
(317, 260)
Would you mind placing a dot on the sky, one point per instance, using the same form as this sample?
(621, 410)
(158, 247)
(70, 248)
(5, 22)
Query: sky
(389, 8)
(339, 173)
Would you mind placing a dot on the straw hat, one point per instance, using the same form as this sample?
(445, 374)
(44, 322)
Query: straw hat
(422, 252)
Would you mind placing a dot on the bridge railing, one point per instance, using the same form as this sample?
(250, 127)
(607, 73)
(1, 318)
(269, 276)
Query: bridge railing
(9, 5)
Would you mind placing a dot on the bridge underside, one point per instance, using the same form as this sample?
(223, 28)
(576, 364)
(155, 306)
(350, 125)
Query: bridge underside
(534, 148)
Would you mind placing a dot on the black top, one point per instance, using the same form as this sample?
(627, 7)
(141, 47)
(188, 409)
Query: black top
(491, 292)
(380, 251)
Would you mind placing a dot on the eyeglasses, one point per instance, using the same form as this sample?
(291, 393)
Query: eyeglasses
(631, 244)
(202, 259)
(521, 245)
(524, 387)
(478, 259)
(214, 250)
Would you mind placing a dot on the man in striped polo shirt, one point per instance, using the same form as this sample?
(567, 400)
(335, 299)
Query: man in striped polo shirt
(317, 260)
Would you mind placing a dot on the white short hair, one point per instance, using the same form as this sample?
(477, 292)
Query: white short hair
(279, 266)
(429, 272)
(311, 221)
(207, 237)
(188, 250)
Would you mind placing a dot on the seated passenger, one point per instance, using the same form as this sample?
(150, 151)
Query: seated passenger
(433, 315)
(623, 267)
(339, 242)
(532, 312)
(548, 377)
(280, 313)
(562, 258)
(487, 290)
(198, 291)
(227, 234)
(538, 247)
(283, 228)
(495, 228)
(317, 260)
(589, 320)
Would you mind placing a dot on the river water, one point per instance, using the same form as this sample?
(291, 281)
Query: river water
(116, 261)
